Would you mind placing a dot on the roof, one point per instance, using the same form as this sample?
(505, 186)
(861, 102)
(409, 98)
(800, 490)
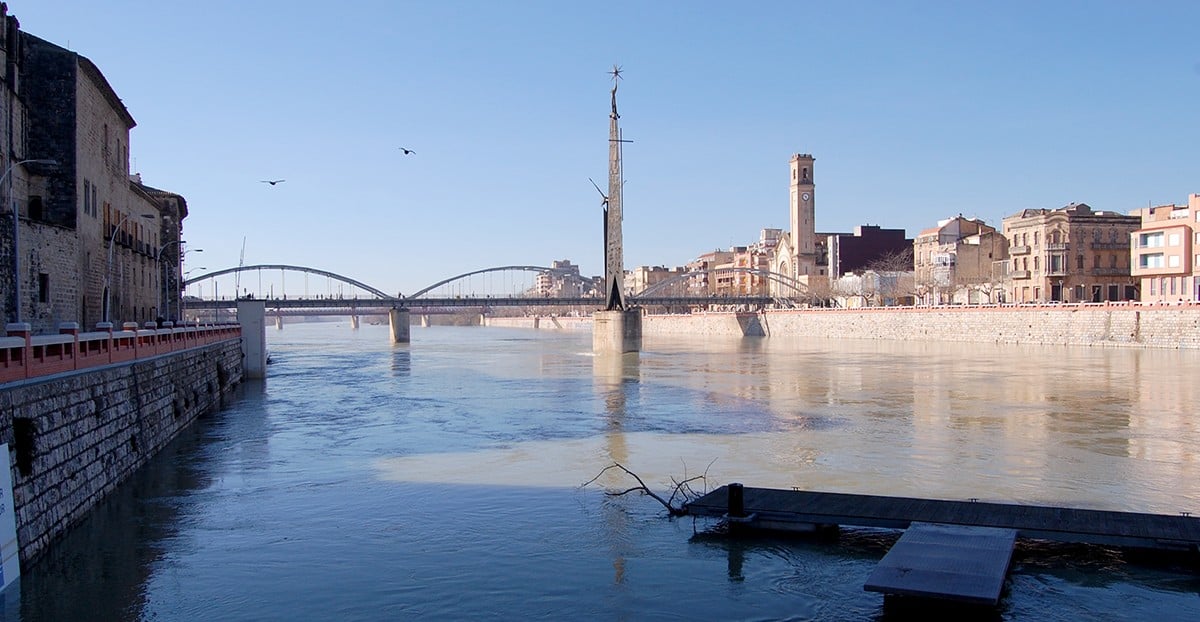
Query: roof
(92, 72)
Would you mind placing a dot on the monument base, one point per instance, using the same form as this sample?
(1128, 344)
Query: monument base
(617, 332)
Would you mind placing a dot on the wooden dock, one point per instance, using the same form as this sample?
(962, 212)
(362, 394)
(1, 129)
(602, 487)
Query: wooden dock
(799, 510)
(966, 564)
(956, 550)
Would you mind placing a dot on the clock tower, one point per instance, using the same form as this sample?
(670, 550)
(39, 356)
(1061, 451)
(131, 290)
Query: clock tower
(804, 228)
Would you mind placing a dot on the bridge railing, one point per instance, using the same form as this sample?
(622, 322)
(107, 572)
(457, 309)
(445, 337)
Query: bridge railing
(24, 356)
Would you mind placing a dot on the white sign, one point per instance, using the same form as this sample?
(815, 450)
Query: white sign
(10, 569)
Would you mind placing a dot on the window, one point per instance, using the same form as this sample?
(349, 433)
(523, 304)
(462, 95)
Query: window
(1173, 239)
(1036, 234)
(1056, 263)
(1172, 280)
(35, 208)
(1114, 292)
(1130, 292)
(1035, 259)
(1095, 261)
(1112, 261)
(1153, 289)
(87, 197)
(1173, 261)
(43, 287)
(1151, 240)
(1150, 260)
(1079, 262)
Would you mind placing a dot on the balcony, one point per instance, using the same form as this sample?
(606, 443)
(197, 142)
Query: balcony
(1018, 274)
(1110, 271)
(1018, 250)
(1057, 272)
(1062, 246)
(1110, 245)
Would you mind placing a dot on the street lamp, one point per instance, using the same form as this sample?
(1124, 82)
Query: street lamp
(112, 240)
(164, 309)
(17, 230)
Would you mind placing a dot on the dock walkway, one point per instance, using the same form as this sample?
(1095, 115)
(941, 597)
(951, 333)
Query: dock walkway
(798, 509)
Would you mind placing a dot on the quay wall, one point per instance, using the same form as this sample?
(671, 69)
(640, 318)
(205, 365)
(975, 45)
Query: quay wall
(74, 437)
(1104, 325)
(1116, 325)
(543, 322)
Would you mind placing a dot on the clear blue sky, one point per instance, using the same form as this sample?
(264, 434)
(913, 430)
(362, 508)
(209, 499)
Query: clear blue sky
(915, 111)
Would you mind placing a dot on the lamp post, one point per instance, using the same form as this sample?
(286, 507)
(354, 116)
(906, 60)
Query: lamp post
(17, 231)
(112, 240)
(164, 309)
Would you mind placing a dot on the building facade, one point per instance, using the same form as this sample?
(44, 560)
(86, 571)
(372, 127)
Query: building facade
(1070, 254)
(956, 263)
(91, 237)
(869, 244)
(1164, 259)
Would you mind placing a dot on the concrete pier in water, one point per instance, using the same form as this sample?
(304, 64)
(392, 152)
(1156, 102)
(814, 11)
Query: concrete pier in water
(617, 332)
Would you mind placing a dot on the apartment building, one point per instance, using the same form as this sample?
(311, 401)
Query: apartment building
(956, 263)
(1070, 254)
(1164, 259)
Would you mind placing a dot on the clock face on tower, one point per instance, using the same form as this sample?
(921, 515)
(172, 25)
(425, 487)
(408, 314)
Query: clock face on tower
(805, 196)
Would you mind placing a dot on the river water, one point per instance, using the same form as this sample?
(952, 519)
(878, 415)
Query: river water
(441, 480)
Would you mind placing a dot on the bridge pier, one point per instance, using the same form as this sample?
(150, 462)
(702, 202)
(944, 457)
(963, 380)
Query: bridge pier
(398, 320)
(252, 315)
(425, 321)
(537, 321)
(279, 322)
(354, 322)
(617, 332)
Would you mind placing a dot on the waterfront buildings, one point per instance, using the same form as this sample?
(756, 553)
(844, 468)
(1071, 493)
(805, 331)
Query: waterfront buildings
(1070, 254)
(90, 241)
(1164, 259)
(956, 262)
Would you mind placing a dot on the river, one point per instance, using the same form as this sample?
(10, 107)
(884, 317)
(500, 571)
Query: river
(442, 479)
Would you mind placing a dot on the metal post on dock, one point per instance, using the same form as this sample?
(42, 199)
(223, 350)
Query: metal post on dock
(737, 503)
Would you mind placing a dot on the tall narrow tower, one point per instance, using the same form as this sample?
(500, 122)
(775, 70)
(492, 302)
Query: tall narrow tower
(614, 260)
(804, 227)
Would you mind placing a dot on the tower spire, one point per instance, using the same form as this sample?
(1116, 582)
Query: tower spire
(614, 268)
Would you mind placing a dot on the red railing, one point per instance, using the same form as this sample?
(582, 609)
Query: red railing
(24, 356)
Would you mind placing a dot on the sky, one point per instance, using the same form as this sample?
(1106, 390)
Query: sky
(915, 112)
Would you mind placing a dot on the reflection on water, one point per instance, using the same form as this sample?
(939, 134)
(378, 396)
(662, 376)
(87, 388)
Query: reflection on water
(440, 479)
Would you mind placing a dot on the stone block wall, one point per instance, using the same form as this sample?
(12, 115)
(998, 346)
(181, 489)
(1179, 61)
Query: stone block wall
(1141, 326)
(73, 438)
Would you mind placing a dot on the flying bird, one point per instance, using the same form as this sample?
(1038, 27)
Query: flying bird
(273, 181)
(407, 151)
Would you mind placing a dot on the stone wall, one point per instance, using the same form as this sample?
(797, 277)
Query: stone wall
(1119, 325)
(75, 437)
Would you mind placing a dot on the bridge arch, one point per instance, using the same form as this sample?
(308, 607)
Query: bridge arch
(798, 288)
(538, 269)
(325, 273)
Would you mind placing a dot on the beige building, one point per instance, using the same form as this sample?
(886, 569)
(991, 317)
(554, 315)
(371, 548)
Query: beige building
(91, 237)
(1164, 258)
(1070, 254)
(957, 262)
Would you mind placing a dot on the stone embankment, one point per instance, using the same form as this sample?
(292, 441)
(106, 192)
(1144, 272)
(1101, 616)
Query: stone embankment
(74, 437)
(1106, 325)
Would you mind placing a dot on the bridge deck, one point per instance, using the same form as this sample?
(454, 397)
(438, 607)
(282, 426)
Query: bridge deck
(796, 509)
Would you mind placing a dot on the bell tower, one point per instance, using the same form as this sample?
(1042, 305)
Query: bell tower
(803, 212)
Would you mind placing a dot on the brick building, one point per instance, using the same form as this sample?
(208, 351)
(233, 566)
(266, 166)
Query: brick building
(1164, 259)
(1070, 254)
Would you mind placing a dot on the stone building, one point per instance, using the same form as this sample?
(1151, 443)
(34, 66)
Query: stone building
(1070, 254)
(1165, 259)
(22, 184)
(91, 235)
(956, 263)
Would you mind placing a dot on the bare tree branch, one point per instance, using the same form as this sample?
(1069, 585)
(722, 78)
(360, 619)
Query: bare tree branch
(682, 489)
